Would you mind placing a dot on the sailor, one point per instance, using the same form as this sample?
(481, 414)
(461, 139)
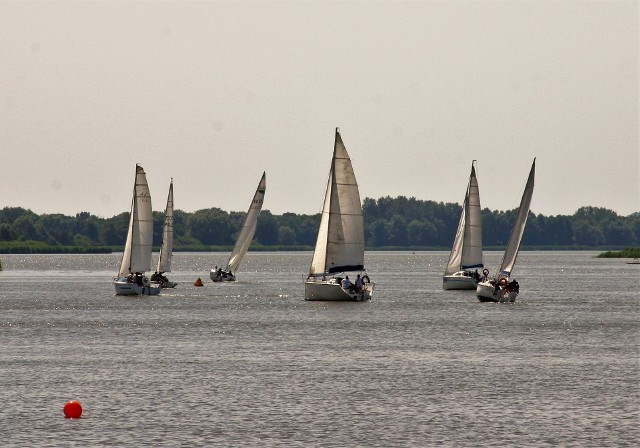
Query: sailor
(346, 283)
(359, 283)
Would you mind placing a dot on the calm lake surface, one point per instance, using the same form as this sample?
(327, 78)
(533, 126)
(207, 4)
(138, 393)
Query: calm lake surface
(253, 364)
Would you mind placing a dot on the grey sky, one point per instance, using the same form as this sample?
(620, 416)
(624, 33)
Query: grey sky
(214, 93)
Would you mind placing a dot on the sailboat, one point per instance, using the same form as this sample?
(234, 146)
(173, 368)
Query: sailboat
(502, 288)
(166, 250)
(340, 245)
(136, 258)
(466, 254)
(244, 237)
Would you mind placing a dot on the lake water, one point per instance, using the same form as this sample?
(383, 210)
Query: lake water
(252, 364)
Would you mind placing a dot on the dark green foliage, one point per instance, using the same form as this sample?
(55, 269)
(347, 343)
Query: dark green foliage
(389, 223)
(630, 252)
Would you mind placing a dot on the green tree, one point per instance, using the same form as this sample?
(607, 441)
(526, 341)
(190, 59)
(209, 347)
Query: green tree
(286, 236)
(267, 229)
(210, 226)
(7, 232)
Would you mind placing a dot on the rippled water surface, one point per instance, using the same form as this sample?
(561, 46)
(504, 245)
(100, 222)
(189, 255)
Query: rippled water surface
(252, 364)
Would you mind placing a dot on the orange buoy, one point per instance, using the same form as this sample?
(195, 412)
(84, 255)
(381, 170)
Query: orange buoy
(72, 409)
(198, 282)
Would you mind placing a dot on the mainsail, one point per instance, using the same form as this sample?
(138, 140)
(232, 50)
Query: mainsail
(340, 243)
(137, 251)
(248, 227)
(466, 252)
(166, 250)
(513, 245)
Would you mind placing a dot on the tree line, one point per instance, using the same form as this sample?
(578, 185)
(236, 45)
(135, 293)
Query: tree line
(399, 222)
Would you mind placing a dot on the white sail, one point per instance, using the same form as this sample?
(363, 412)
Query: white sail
(513, 245)
(455, 257)
(166, 250)
(318, 262)
(340, 243)
(248, 227)
(137, 252)
(466, 252)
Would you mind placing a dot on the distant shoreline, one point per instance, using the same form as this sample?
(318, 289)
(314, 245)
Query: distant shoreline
(39, 248)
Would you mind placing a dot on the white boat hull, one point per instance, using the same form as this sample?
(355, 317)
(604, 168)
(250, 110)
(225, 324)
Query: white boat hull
(487, 292)
(332, 291)
(125, 288)
(458, 281)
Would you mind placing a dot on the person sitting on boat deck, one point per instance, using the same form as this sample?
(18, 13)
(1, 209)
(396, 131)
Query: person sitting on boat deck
(139, 278)
(485, 275)
(158, 277)
(346, 283)
(359, 283)
(476, 276)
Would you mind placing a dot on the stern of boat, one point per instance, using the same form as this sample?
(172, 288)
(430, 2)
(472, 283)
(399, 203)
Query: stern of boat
(487, 292)
(331, 290)
(458, 281)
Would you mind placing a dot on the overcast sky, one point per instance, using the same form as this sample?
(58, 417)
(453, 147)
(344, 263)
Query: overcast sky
(214, 93)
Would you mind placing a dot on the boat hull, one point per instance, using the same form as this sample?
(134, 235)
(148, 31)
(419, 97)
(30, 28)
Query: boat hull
(487, 292)
(124, 288)
(330, 290)
(225, 277)
(458, 281)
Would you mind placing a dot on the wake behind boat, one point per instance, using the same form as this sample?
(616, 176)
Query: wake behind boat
(502, 288)
(466, 254)
(136, 258)
(245, 236)
(166, 250)
(340, 245)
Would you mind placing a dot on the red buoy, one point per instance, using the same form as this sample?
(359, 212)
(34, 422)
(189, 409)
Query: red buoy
(72, 409)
